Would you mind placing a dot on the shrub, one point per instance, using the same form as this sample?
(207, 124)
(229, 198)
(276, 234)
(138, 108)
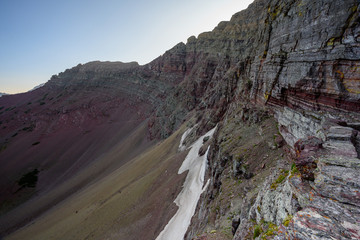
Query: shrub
(29, 179)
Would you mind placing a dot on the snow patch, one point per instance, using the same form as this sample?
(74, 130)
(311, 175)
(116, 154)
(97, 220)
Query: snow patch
(190, 194)
(182, 145)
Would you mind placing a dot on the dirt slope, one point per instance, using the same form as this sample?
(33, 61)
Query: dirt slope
(135, 196)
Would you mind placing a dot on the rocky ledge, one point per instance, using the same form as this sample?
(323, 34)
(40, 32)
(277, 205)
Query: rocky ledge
(320, 198)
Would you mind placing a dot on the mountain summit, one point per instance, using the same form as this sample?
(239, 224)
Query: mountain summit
(94, 153)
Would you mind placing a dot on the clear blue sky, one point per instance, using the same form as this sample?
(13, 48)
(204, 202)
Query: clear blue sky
(39, 38)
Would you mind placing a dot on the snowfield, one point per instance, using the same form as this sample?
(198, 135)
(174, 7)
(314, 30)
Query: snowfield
(192, 189)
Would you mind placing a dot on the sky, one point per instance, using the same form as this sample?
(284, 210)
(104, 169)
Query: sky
(40, 38)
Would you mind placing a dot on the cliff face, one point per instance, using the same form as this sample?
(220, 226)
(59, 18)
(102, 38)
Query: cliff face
(281, 81)
(300, 61)
(301, 54)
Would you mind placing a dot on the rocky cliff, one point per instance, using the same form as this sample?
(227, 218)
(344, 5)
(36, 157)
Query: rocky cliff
(281, 80)
(299, 60)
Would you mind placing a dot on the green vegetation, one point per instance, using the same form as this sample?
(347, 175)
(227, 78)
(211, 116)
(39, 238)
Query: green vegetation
(280, 179)
(29, 179)
(249, 84)
(265, 229)
(332, 41)
(294, 169)
(259, 209)
(257, 231)
(287, 220)
(274, 12)
(271, 231)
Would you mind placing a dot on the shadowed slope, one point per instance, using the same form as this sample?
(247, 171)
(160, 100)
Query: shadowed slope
(135, 196)
(66, 126)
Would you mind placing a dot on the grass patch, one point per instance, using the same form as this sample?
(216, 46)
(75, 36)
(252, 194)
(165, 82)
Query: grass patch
(280, 179)
(294, 169)
(271, 231)
(257, 231)
(287, 220)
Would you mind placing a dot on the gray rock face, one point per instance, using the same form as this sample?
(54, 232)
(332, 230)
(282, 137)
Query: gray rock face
(338, 182)
(339, 133)
(342, 141)
(332, 204)
(322, 198)
(294, 125)
(274, 205)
